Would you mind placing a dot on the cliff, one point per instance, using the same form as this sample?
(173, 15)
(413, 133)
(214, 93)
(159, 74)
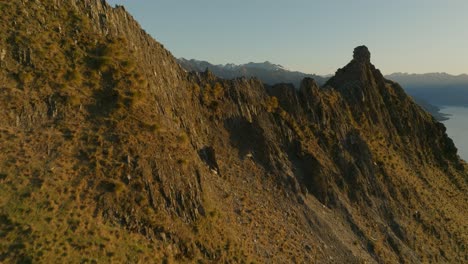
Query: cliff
(112, 153)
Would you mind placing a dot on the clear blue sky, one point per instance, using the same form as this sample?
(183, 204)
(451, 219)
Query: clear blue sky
(313, 36)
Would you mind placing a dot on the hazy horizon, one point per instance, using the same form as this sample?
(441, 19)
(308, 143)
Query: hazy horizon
(328, 74)
(312, 36)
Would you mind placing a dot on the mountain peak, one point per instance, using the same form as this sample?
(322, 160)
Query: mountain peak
(359, 69)
(362, 54)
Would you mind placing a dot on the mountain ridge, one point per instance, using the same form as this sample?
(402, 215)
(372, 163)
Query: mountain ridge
(463, 77)
(113, 153)
(430, 90)
(264, 65)
(268, 72)
(434, 74)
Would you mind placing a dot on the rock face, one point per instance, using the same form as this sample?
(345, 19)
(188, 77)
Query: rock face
(112, 153)
(362, 55)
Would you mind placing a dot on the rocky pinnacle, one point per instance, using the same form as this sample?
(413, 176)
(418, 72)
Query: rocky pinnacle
(362, 54)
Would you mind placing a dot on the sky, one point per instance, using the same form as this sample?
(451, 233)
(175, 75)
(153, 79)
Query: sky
(414, 36)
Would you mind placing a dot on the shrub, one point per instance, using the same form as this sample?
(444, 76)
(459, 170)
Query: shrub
(271, 104)
(217, 91)
(182, 162)
(182, 139)
(153, 127)
(212, 93)
(206, 94)
(196, 89)
(73, 100)
(112, 186)
(25, 78)
(73, 76)
(100, 63)
(128, 65)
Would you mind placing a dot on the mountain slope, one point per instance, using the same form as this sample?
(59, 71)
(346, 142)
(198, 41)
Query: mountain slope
(111, 152)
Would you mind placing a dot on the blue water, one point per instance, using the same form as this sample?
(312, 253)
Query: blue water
(457, 128)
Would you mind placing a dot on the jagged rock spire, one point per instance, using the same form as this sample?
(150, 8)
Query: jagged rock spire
(359, 69)
(362, 54)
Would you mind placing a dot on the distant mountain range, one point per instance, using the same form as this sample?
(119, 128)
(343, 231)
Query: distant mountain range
(430, 90)
(268, 72)
(436, 88)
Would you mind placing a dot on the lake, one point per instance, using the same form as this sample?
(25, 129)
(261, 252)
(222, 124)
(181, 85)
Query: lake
(457, 128)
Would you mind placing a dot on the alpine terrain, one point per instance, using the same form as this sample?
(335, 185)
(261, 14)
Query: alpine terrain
(112, 153)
